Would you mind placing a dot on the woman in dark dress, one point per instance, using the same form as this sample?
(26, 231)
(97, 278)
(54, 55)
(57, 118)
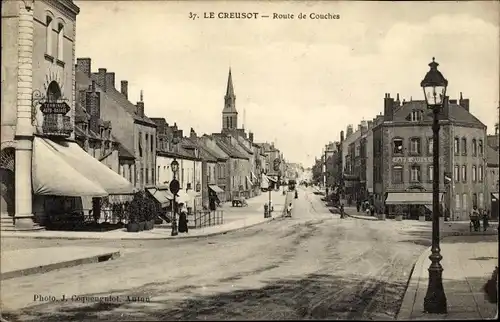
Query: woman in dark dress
(183, 226)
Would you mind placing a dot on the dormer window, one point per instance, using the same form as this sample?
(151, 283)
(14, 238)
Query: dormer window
(416, 115)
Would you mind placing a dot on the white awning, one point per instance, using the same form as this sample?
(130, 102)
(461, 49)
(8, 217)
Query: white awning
(272, 179)
(53, 175)
(264, 184)
(161, 196)
(495, 195)
(249, 181)
(254, 176)
(216, 188)
(410, 198)
(86, 165)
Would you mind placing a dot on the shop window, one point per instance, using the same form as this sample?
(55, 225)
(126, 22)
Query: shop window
(397, 174)
(464, 146)
(398, 146)
(415, 174)
(456, 146)
(415, 146)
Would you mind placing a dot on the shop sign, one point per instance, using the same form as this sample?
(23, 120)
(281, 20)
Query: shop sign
(414, 159)
(55, 108)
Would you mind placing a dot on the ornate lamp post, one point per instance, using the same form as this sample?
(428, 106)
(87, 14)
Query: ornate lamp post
(434, 86)
(174, 188)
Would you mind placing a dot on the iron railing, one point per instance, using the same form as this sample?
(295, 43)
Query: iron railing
(206, 218)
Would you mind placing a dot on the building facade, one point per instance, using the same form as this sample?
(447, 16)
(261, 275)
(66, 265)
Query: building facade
(38, 46)
(403, 155)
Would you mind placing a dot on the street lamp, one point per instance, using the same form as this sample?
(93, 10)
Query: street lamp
(174, 188)
(434, 86)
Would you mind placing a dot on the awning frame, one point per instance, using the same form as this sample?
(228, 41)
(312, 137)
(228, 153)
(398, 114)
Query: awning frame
(215, 188)
(408, 198)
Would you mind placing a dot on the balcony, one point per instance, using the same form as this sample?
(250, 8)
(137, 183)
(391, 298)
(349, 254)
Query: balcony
(57, 125)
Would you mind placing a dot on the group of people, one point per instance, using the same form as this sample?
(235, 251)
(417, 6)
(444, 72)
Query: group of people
(365, 207)
(475, 217)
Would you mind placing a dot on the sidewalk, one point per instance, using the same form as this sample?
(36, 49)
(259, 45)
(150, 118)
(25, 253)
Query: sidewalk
(235, 218)
(16, 263)
(468, 263)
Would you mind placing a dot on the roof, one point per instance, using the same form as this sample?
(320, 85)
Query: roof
(491, 156)
(216, 155)
(123, 102)
(242, 144)
(229, 149)
(203, 153)
(456, 113)
(492, 140)
(123, 152)
(217, 151)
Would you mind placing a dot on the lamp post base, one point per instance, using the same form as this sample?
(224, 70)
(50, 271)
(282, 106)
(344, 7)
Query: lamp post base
(435, 299)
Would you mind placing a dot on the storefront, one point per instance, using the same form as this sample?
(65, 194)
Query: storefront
(410, 204)
(216, 191)
(68, 181)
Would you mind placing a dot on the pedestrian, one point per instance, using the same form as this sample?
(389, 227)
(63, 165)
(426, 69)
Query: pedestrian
(486, 216)
(358, 205)
(183, 221)
(342, 211)
(372, 210)
(289, 210)
(491, 287)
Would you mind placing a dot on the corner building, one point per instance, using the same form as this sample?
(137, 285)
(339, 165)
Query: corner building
(403, 159)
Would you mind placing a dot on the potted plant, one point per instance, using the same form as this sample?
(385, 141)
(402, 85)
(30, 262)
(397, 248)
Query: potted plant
(399, 212)
(132, 225)
(421, 215)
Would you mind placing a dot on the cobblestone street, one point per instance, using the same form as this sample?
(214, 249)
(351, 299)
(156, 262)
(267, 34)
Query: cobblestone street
(314, 265)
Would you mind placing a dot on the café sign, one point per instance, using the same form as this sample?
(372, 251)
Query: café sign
(414, 159)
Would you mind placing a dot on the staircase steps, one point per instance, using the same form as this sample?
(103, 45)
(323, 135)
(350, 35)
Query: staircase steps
(7, 224)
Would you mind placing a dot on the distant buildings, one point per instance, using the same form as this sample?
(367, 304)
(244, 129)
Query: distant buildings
(388, 160)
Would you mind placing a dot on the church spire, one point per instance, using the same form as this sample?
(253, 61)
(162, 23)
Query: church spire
(230, 89)
(229, 113)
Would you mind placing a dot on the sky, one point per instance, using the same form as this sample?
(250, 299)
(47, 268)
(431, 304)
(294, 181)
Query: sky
(298, 82)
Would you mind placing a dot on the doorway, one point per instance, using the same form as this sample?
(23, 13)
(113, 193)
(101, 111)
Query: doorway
(7, 181)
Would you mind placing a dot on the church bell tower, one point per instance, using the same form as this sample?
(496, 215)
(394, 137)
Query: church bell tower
(229, 113)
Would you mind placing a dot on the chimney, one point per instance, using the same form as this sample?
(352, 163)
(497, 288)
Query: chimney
(140, 109)
(101, 78)
(446, 107)
(93, 107)
(397, 103)
(388, 107)
(349, 130)
(341, 136)
(124, 88)
(110, 80)
(140, 105)
(93, 86)
(370, 124)
(84, 65)
(250, 137)
(192, 133)
(464, 102)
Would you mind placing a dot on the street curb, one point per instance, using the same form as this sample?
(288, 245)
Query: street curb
(408, 303)
(148, 238)
(64, 264)
(362, 218)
